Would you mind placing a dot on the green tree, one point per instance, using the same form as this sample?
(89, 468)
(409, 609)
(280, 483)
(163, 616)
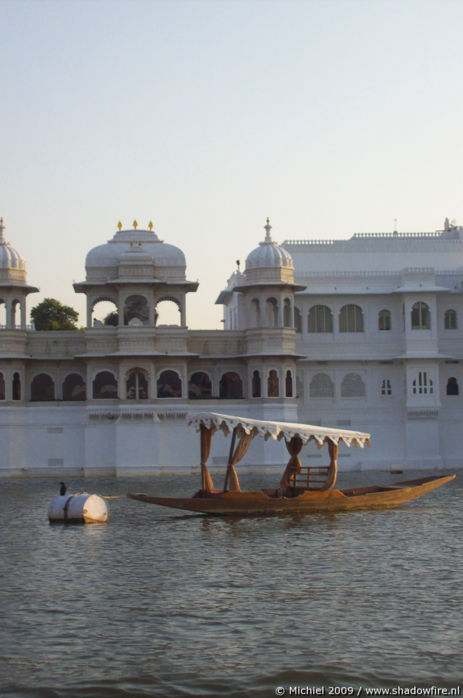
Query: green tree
(50, 314)
(112, 319)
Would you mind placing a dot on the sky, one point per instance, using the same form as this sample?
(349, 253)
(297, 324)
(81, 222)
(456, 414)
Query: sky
(329, 116)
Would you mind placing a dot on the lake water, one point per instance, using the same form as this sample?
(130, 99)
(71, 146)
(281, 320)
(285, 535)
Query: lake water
(161, 603)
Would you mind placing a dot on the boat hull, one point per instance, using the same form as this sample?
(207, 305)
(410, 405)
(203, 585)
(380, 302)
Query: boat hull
(249, 503)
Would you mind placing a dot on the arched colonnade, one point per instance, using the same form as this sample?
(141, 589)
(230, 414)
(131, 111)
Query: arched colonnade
(135, 309)
(142, 383)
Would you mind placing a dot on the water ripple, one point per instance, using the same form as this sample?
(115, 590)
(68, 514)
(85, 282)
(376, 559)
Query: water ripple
(157, 603)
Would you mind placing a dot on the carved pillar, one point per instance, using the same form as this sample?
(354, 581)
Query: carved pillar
(89, 311)
(23, 313)
(183, 312)
(281, 305)
(9, 322)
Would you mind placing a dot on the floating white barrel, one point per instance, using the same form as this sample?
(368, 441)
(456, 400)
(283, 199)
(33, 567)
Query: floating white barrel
(89, 508)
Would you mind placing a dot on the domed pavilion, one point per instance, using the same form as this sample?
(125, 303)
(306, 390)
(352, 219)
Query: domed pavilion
(135, 271)
(13, 286)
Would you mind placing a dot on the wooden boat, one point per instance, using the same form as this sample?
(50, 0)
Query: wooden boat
(302, 488)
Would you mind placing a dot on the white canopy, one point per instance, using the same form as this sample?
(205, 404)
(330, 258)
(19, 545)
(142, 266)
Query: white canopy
(277, 430)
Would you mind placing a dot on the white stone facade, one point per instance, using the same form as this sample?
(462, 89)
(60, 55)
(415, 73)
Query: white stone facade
(365, 333)
(112, 398)
(379, 336)
(392, 360)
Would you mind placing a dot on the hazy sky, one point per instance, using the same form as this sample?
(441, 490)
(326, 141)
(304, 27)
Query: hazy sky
(329, 116)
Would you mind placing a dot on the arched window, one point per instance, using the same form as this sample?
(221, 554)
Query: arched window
(273, 384)
(104, 313)
(254, 320)
(231, 386)
(2, 387)
(452, 386)
(352, 386)
(256, 389)
(74, 387)
(136, 311)
(351, 318)
(271, 313)
(169, 384)
(320, 319)
(450, 319)
(167, 312)
(423, 385)
(421, 317)
(2, 313)
(42, 388)
(16, 386)
(321, 385)
(14, 308)
(137, 385)
(199, 387)
(289, 384)
(384, 320)
(287, 314)
(386, 388)
(104, 386)
(297, 320)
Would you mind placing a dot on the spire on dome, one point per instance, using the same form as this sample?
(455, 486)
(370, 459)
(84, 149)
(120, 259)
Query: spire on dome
(2, 236)
(267, 228)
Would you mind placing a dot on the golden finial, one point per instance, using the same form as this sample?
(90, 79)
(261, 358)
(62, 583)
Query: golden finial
(119, 226)
(268, 220)
(150, 225)
(135, 224)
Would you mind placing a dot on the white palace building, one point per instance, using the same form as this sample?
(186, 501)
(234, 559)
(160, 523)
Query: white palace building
(363, 333)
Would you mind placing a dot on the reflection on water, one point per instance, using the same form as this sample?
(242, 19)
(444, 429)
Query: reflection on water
(159, 603)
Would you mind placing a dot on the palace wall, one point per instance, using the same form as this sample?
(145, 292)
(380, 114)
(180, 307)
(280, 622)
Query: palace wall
(363, 334)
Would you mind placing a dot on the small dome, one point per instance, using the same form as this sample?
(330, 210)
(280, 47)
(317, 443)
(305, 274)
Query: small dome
(269, 254)
(10, 259)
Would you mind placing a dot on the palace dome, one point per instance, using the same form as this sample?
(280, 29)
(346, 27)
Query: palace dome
(115, 252)
(268, 254)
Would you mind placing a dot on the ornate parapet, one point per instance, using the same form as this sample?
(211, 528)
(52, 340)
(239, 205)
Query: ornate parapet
(281, 340)
(100, 341)
(171, 340)
(214, 343)
(56, 344)
(14, 343)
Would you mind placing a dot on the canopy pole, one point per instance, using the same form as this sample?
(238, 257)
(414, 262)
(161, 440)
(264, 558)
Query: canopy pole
(230, 460)
(332, 475)
(206, 481)
(294, 465)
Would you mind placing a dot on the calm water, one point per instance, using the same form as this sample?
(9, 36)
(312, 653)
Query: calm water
(158, 603)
